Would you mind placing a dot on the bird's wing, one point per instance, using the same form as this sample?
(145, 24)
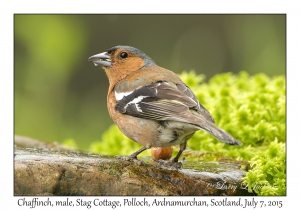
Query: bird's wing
(199, 108)
(168, 101)
(163, 101)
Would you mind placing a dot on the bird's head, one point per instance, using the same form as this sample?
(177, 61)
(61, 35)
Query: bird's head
(120, 61)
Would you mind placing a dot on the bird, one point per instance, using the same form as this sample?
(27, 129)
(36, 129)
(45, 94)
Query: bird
(150, 104)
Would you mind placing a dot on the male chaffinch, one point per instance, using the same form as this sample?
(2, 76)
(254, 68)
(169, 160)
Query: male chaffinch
(150, 104)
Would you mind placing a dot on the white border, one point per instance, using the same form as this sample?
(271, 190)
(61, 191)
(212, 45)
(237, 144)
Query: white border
(8, 8)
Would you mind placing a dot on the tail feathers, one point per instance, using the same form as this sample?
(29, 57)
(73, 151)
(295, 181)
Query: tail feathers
(220, 134)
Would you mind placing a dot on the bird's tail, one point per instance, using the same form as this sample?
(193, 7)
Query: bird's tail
(220, 134)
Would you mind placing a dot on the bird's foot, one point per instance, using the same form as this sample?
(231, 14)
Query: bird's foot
(169, 164)
(133, 159)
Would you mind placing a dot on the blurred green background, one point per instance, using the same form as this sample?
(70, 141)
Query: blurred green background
(58, 95)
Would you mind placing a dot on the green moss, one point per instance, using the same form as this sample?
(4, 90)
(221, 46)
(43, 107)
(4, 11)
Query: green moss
(250, 108)
(267, 175)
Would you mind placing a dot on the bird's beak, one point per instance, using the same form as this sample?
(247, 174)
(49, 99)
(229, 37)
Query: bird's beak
(102, 59)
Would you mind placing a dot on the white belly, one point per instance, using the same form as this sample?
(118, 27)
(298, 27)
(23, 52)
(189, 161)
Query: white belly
(174, 133)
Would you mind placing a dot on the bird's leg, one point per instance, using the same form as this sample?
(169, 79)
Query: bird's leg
(133, 156)
(174, 163)
(182, 148)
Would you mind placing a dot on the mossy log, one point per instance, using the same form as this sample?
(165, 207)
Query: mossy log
(52, 169)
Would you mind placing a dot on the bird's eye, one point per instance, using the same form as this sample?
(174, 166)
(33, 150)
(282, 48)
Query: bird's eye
(124, 55)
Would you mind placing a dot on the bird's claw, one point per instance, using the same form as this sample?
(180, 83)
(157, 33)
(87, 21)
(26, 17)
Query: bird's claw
(168, 164)
(133, 159)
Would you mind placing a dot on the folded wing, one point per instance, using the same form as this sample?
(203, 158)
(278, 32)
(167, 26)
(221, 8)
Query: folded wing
(161, 101)
(168, 101)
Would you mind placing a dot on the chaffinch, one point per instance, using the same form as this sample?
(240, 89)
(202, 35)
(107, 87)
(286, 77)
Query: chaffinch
(150, 104)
